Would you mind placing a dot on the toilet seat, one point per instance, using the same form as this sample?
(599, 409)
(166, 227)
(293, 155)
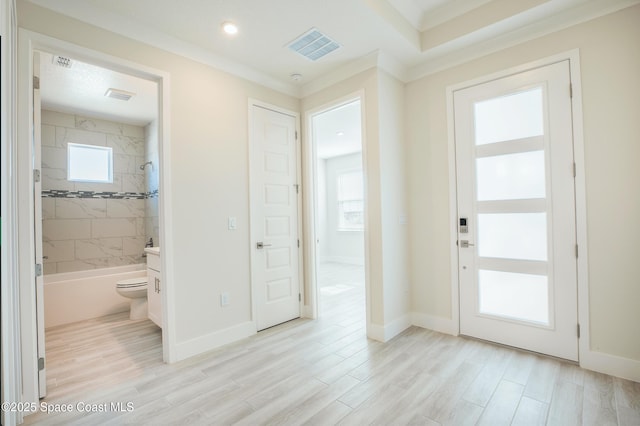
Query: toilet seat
(132, 283)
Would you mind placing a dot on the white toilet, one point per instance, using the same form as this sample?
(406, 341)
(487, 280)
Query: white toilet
(136, 290)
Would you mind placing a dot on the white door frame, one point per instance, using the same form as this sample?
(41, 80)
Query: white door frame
(580, 189)
(28, 42)
(310, 181)
(11, 351)
(257, 103)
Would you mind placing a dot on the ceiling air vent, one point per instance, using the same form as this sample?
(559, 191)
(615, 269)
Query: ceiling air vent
(121, 95)
(62, 61)
(313, 45)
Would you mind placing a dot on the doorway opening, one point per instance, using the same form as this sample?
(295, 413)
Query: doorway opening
(340, 214)
(97, 214)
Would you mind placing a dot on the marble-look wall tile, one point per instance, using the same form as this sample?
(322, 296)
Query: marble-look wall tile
(81, 265)
(48, 135)
(104, 126)
(98, 248)
(140, 160)
(56, 179)
(80, 208)
(124, 260)
(115, 186)
(66, 229)
(58, 251)
(105, 228)
(50, 268)
(54, 158)
(133, 246)
(48, 208)
(89, 233)
(126, 145)
(65, 136)
(132, 183)
(55, 118)
(125, 208)
(123, 163)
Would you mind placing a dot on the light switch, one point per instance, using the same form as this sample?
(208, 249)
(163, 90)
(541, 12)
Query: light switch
(233, 223)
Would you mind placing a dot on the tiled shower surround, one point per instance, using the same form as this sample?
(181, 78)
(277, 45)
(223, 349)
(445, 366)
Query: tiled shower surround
(96, 225)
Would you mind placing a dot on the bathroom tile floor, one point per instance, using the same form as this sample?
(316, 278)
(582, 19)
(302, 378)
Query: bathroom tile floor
(323, 372)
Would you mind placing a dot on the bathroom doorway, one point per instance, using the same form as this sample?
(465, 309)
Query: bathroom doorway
(340, 215)
(96, 209)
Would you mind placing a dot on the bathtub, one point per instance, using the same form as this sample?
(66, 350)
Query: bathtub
(77, 296)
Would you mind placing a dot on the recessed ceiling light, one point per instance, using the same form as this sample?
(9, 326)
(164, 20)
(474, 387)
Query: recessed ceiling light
(340, 133)
(229, 28)
(296, 76)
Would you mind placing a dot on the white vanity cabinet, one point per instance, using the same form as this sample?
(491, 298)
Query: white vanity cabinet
(154, 285)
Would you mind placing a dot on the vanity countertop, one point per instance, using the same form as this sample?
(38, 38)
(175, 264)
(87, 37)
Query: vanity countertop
(152, 250)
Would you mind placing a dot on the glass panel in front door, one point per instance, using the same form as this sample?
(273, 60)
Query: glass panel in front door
(510, 173)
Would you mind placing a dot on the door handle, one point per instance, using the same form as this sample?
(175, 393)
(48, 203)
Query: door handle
(260, 245)
(466, 244)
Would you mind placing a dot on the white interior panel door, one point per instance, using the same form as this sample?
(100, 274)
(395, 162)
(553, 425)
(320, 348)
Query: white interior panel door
(37, 206)
(274, 217)
(516, 211)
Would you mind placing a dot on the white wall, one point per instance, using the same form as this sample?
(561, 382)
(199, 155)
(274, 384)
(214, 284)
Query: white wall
(209, 182)
(340, 246)
(610, 66)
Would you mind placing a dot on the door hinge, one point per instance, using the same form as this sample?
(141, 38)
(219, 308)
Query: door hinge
(38, 269)
(576, 250)
(36, 175)
(571, 90)
(40, 364)
(578, 331)
(297, 188)
(298, 243)
(36, 82)
(299, 297)
(296, 135)
(575, 172)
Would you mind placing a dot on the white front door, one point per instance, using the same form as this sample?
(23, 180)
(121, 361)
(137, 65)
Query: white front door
(516, 211)
(274, 217)
(37, 213)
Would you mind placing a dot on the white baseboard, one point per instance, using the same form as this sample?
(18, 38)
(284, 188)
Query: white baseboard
(307, 312)
(439, 324)
(389, 331)
(611, 364)
(214, 340)
(348, 260)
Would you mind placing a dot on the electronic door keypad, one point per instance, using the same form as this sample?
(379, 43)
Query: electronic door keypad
(464, 229)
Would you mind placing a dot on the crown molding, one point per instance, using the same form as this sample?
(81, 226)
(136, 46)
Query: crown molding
(460, 51)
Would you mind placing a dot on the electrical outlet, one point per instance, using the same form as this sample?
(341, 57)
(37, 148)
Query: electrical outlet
(224, 299)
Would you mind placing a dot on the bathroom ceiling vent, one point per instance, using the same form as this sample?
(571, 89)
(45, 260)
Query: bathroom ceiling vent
(62, 61)
(121, 95)
(313, 45)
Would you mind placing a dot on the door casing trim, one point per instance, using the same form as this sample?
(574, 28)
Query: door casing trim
(310, 176)
(573, 56)
(28, 42)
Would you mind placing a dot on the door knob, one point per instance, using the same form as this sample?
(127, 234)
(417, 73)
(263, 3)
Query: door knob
(260, 245)
(466, 244)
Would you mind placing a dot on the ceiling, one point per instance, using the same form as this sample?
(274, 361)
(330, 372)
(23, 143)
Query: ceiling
(81, 89)
(407, 38)
(338, 131)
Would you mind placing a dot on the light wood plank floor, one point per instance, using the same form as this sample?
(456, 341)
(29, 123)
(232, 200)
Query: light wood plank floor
(321, 373)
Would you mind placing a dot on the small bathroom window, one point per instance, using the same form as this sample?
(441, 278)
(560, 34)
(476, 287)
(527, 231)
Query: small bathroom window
(89, 163)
